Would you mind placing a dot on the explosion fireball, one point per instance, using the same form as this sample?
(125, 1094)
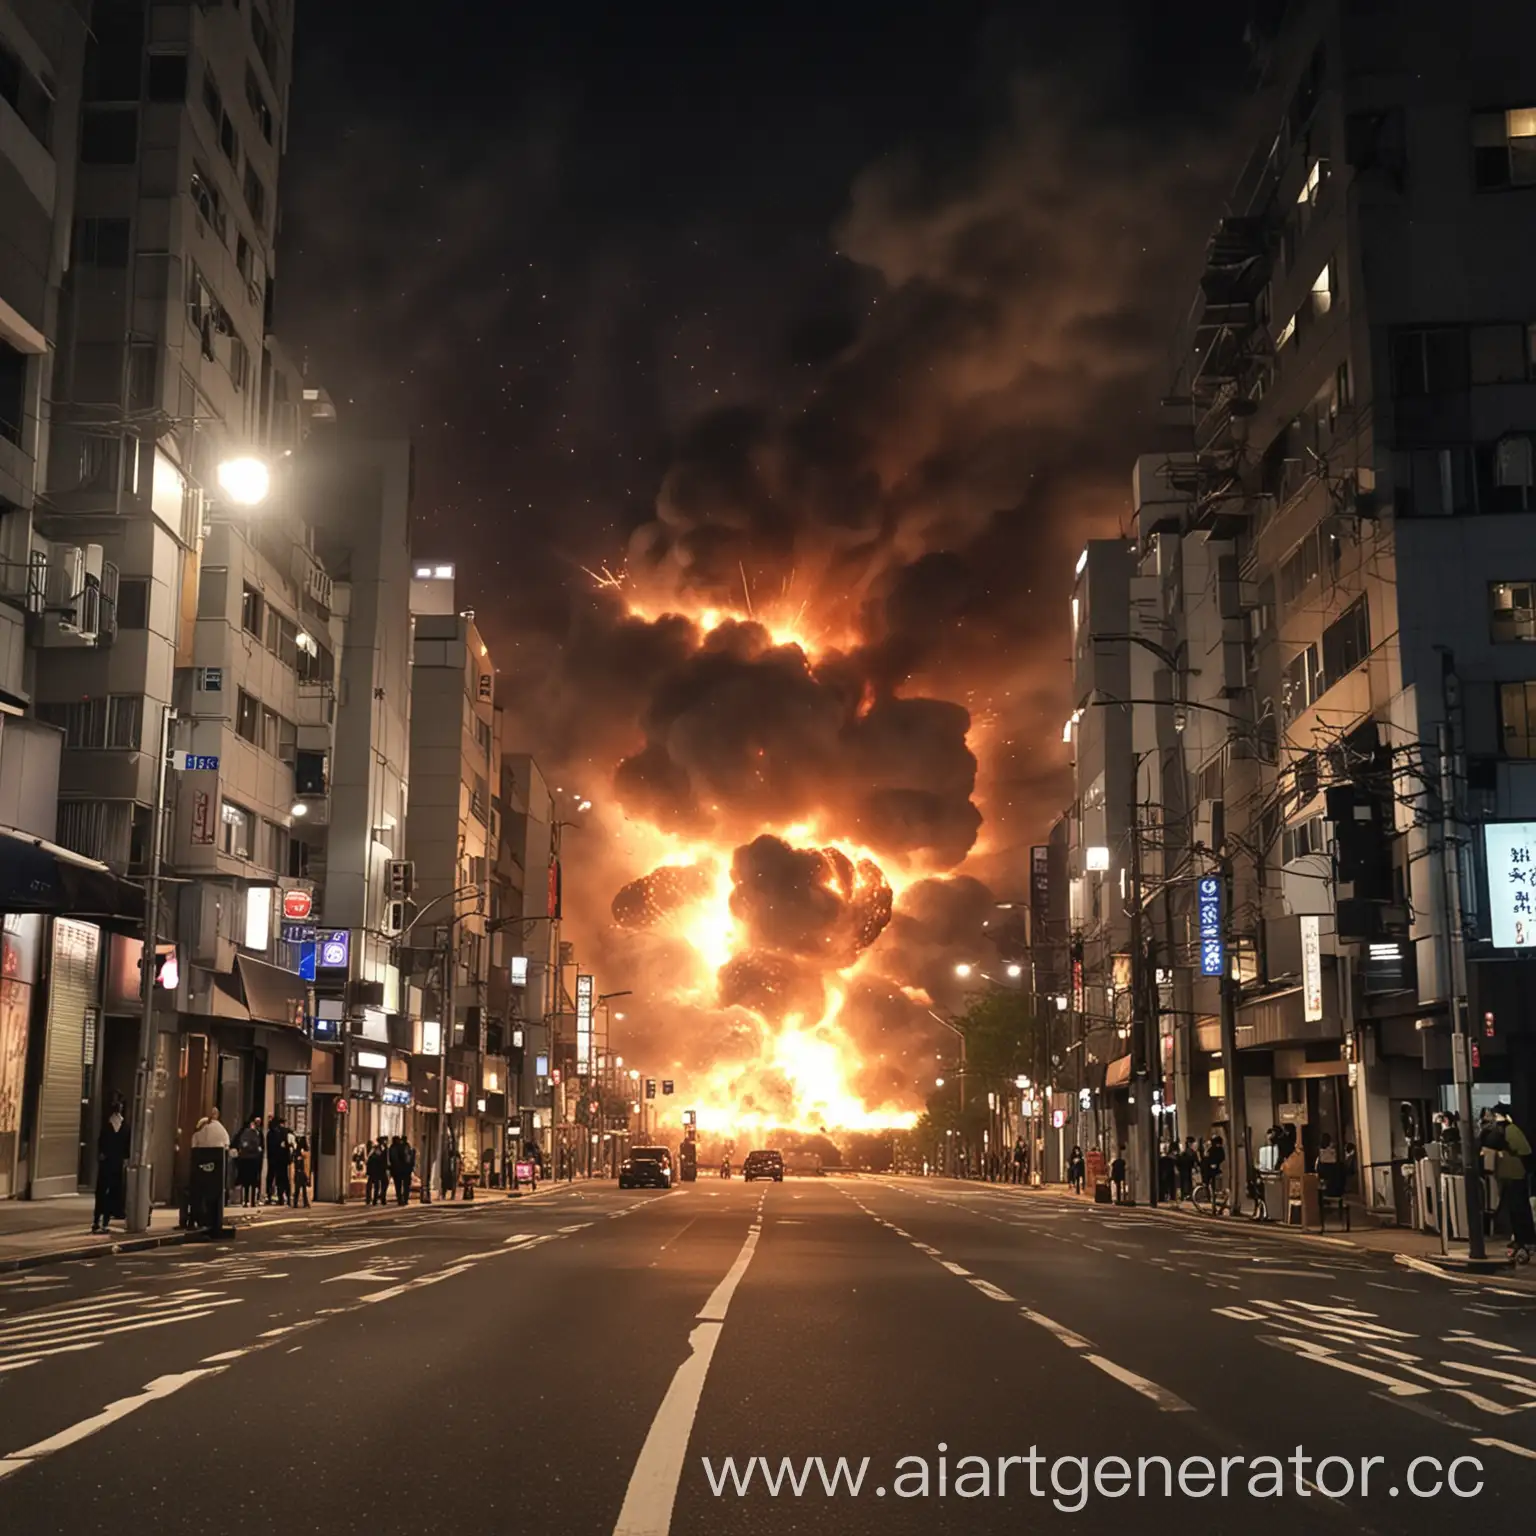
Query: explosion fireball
(792, 800)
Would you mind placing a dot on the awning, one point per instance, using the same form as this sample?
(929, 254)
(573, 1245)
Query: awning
(273, 995)
(1118, 1073)
(39, 876)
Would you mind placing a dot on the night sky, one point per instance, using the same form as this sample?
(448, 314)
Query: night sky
(883, 294)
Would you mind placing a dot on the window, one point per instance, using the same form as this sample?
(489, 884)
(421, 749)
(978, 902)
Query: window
(1504, 149)
(248, 718)
(261, 35)
(29, 97)
(269, 730)
(1299, 570)
(238, 824)
(1506, 474)
(309, 773)
(1347, 641)
(255, 196)
(1343, 388)
(1429, 362)
(1434, 482)
(239, 363)
(1517, 718)
(13, 391)
(166, 78)
(477, 799)
(114, 723)
(213, 592)
(133, 602)
(101, 242)
(285, 643)
(1286, 333)
(300, 855)
(1302, 684)
(229, 140)
(1309, 836)
(1323, 291)
(1512, 611)
(208, 201)
(114, 58)
(244, 263)
(109, 136)
(1312, 187)
(315, 662)
(277, 846)
(257, 101)
(213, 101)
(252, 611)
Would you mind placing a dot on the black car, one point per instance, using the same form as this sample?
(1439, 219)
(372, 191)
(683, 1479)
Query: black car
(646, 1168)
(763, 1165)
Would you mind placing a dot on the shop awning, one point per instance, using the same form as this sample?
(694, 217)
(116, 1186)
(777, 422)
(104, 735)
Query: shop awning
(273, 995)
(1118, 1073)
(39, 876)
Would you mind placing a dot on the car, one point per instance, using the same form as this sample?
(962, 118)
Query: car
(646, 1168)
(763, 1165)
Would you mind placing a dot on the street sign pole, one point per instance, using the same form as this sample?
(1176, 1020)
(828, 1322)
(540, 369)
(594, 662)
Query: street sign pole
(140, 1186)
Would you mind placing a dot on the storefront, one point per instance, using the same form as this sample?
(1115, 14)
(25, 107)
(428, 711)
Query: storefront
(19, 946)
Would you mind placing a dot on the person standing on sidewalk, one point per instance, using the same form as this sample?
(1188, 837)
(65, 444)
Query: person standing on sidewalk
(1184, 1165)
(1216, 1160)
(1511, 1147)
(1117, 1176)
(112, 1148)
(377, 1167)
(279, 1160)
(301, 1173)
(448, 1174)
(1077, 1170)
(400, 1169)
(248, 1162)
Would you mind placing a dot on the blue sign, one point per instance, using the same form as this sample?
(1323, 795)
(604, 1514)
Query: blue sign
(299, 933)
(307, 962)
(192, 762)
(325, 1029)
(335, 951)
(1208, 894)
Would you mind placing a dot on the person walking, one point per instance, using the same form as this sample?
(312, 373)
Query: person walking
(1216, 1161)
(1018, 1160)
(1511, 1147)
(1077, 1170)
(1167, 1173)
(279, 1161)
(1184, 1162)
(1117, 1176)
(448, 1173)
(301, 1172)
(400, 1168)
(112, 1148)
(248, 1149)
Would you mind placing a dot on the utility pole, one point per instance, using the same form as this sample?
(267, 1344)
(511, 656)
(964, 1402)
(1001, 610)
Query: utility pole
(1237, 1119)
(140, 1190)
(1456, 967)
(1143, 1140)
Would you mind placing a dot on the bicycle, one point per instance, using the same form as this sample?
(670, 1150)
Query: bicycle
(1210, 1199)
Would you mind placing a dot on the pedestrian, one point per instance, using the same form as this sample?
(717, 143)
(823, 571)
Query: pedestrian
(378, 1173)
(1184, 1162)
(111, 1163)
(1512, 1147)
(248, 1161)
(448, 1174)
(279, 1161)
(301, 1172)
(1117, 1176)
(1077, 1170)
(1167, 1175)
(1216, 1160)
(400, 1168)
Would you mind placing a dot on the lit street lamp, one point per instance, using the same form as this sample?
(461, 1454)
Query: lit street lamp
(246, 480)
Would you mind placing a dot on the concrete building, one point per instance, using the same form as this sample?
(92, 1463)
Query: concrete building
(453, 829)
(1333, 570)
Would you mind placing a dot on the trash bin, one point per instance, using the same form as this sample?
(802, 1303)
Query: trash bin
(205, 1199)
(1103, 1194)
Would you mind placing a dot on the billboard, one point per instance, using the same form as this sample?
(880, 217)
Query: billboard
(586, 997)
(1510, 847)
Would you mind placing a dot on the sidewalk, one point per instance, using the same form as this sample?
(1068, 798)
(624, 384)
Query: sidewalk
(35, 1232)
(1415, 1249)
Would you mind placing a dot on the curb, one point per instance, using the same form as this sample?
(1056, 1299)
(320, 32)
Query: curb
(343, 1213)
(1455, 1269)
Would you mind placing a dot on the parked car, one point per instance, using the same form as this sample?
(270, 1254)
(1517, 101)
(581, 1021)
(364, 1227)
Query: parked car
(763, 1165)
(646, 1168)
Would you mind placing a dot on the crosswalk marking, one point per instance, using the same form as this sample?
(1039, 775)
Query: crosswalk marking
(70, 1329)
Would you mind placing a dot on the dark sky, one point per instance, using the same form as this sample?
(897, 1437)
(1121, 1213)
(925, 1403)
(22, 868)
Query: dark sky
(933, 248)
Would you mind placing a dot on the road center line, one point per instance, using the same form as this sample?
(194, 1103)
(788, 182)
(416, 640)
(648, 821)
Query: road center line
(1167, 1401)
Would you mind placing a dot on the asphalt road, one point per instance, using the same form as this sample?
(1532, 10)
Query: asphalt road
(593, 1361)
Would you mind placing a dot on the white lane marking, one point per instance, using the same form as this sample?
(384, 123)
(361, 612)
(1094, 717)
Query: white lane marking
(715, 1308)
(1309, 1349)
(1458, 1337)
(225, 1355)
(652, 1490)
(161, 1386)
(953, 1268)
(1505, 1445)
(1167, 1401)
(362, 1276)
(1424, 1267)
(1240, 1314)
(59, 1320)
(1522, 1384)
(988, 1289)
(1067, 1337)
(523, 1237)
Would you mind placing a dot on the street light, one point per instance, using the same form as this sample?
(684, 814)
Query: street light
(1015, 971)
(246, 480)
(962, 970)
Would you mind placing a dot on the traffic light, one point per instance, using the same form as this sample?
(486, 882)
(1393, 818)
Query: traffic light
(666, 1085)
(690, 1118)
(650, 1087)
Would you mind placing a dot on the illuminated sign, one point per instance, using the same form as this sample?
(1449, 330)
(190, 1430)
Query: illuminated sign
(1311, 969)
(458, 1093)
(335, 950)
(586, 990)
(1208, 896)
(519, 970)
(1096, 858)
(431, 1037)
(395, 1093)
(1511, 859)
(258, 917)
(372, 1061)
(297, 905)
